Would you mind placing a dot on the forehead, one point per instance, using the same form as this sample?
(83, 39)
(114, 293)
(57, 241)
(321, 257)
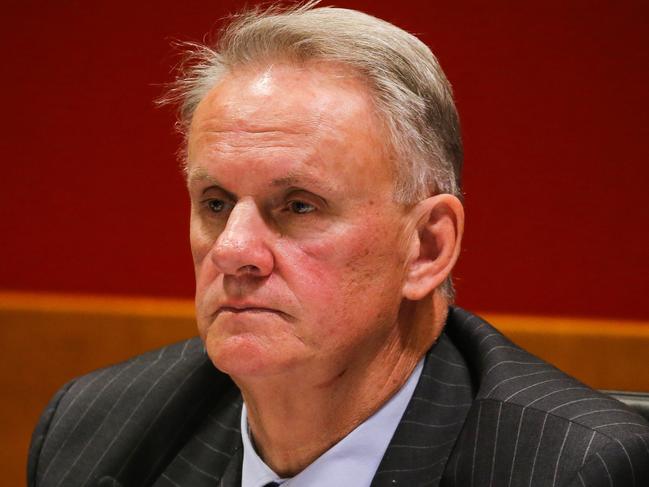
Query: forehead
(319, 116)
(256, 97)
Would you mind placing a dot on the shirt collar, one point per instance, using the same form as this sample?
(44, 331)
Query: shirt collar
(356, 456)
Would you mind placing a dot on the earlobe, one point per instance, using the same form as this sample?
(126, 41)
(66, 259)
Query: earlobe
(439, 228)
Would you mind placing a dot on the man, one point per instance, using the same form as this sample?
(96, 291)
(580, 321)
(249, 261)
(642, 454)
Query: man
(322, 160)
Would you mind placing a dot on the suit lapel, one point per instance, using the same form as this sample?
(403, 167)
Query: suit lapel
(232, 475)
(171, 414)
(431, 423)
(213, 454)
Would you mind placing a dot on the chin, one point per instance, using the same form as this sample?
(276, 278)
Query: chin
(245, 355)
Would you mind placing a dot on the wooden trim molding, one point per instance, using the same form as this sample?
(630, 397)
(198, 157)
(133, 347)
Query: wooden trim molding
(603, 353)
(115, 305)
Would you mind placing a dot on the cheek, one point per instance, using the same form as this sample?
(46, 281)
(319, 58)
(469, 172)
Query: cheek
(365, 256)
(309, 272)
(347, 272)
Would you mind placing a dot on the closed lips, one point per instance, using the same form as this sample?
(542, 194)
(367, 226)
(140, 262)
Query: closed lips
(251, 309)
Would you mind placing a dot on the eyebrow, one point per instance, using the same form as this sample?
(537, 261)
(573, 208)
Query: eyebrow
(292, 180)
(199, 174)
(298, 180)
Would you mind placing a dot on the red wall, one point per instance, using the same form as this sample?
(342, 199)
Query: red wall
(555, 106)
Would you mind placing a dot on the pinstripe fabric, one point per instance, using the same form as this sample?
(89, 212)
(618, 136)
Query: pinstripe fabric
(215, 446)
(125, 422)
(531, 425)
(420, 447)
(484, 413)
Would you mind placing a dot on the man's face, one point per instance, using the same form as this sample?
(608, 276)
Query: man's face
(298, 246)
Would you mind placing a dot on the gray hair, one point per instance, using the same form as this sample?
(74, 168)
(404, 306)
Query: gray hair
(409, 88)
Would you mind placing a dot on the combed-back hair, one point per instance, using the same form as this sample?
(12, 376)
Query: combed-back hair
(409, 89)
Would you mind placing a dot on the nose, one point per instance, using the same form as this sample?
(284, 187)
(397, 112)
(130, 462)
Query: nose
(242, 247)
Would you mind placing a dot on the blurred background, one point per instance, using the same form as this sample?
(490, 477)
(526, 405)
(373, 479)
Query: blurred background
(554, 101)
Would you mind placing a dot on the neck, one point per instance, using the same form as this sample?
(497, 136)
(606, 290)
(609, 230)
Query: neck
(296, 417)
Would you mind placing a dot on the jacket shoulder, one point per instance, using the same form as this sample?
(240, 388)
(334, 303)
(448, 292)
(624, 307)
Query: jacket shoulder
(622, 461)
(110, 416)
(534, 422)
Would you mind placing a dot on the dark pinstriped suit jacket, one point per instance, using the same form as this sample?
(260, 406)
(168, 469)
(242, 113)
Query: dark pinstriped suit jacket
(484, 413)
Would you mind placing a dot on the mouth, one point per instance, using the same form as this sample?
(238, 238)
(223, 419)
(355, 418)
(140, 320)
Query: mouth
(240, 310)
(247, 309)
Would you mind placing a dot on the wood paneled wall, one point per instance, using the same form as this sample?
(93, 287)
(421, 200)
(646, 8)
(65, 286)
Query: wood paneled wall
(47, 340)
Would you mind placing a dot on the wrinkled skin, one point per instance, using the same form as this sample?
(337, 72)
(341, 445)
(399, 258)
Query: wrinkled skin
(298, 245)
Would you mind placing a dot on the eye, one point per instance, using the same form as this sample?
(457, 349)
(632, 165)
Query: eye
(300, 207)
(216, 205)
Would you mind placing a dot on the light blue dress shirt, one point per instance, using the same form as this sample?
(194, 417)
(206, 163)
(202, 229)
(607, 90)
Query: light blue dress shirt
(352, 461)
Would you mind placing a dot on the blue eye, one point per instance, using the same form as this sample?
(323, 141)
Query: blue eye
(216, 205)
(300, 207)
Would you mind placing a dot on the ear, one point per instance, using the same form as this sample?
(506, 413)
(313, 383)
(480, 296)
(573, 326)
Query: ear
(436, 245)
